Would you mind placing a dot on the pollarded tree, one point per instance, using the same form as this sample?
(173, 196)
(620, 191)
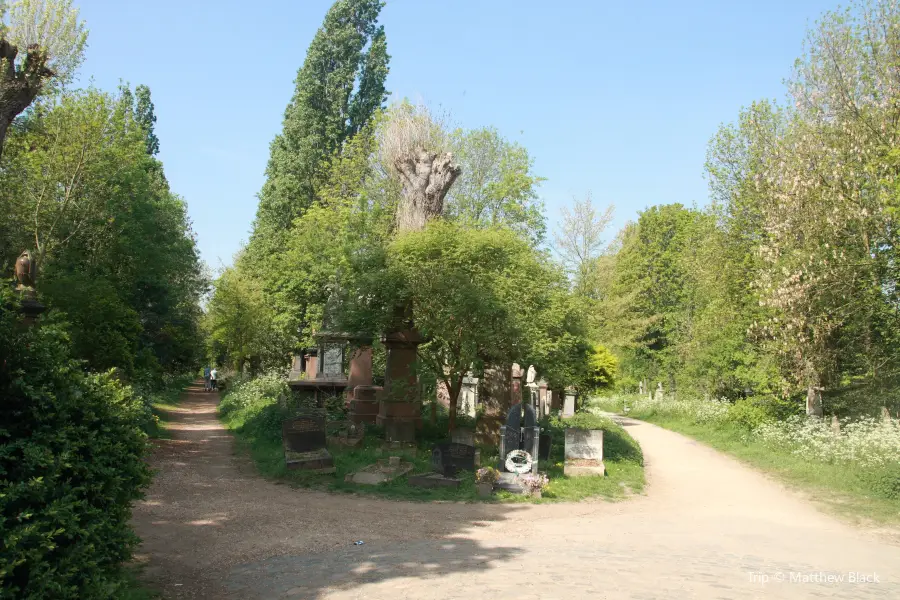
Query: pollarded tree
(41, 45)
(414, 148)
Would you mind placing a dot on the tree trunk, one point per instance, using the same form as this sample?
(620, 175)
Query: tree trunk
(426, 179)
(454, 398)
(19, 86)
(814, 401)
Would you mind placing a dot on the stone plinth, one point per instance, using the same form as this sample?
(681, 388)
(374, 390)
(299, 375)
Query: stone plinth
(363, 404)
(381, 472)
(360, 368)
(400, 410)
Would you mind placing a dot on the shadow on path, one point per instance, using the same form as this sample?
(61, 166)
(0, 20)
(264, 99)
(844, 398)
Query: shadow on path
(213, 528)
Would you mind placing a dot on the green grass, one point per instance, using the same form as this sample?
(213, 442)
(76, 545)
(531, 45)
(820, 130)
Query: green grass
(163, 401)
(841, 489)
(257, 434)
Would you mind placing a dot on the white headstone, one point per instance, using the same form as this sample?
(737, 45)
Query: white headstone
(569, 404)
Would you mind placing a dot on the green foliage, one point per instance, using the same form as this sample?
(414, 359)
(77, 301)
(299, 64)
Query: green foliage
(602, 367)
(585, 420)
(883, 482)
(71, 464)
(496, 187)
(145, 116)
(748, 414)
(338, 89)
(117, 259)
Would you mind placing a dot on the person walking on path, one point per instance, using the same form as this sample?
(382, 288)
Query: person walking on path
(213, 377)
(206, 379)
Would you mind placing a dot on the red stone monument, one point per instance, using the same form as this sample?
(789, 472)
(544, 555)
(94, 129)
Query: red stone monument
(400, 407)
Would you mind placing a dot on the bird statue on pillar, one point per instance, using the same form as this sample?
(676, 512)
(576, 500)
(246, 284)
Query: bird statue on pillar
(25, 271)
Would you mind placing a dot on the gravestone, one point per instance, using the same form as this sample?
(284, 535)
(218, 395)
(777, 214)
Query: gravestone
(518, 435)
(448, 458)
(463, 436)
(333, 361)
(584, 452)
(544, 446)
(468, 396)
(304, 444)
(569, 404)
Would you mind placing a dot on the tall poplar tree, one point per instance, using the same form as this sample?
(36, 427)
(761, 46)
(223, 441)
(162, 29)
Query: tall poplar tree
(338, 89)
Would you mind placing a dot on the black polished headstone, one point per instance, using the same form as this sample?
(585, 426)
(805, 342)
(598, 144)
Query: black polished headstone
(449, 458)
(544, 442)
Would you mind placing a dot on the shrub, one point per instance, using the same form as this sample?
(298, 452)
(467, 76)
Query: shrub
(258, 406)
(883, 482)
(71, 464)
(748, 414)
(586, 420)
(867, 442)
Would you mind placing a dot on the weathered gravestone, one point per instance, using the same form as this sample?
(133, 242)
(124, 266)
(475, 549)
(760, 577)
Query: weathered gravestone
(304, 444)
(569, 403)
(584, 452)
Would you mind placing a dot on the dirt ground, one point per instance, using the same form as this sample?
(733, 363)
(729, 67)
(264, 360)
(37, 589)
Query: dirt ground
(707, 528)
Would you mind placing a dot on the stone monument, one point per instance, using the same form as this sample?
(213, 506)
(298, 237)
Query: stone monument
(584, 452)
(569, 404)
(304, 444)
(400, 408)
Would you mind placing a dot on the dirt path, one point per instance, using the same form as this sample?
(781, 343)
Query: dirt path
(708, 528)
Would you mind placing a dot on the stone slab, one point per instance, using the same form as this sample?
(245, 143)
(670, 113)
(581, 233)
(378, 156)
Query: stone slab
(434, 480)
(510, 483)
(380, 472)
(317, 461)
(597, 470)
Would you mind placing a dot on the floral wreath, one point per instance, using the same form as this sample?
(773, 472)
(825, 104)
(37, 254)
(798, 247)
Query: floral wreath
(518, 461)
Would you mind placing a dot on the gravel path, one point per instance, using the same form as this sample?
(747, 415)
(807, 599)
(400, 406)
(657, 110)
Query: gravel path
(707, 528)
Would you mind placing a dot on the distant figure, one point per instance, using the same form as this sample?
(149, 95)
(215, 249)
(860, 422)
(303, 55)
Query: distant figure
(213, 379)
(206, 377)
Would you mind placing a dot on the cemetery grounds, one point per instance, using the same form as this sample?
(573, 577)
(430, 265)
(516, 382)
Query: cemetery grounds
(706, 527)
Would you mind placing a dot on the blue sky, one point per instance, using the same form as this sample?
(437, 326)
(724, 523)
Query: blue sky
(619, 99)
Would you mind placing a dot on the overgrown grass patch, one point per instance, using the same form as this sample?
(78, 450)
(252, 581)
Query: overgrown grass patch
(253, 411)
(855, 491)
(161, 402)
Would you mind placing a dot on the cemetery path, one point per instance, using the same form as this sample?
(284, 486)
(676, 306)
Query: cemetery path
(707, 528)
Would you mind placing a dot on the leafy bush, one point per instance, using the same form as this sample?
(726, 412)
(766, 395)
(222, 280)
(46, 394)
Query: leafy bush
(71, 464)
(748, 414)
(257, 406)
(586, 420)
(883, 482)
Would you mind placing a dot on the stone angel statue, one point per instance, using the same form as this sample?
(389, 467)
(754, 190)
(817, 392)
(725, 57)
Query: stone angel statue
(531, 375)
